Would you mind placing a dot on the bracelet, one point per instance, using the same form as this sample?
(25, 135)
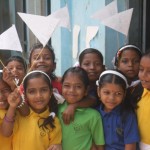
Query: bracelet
(9, 120)
(22, 102)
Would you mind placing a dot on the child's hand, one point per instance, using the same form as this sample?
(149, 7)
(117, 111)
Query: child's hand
(14, 98)
(68, 114)
(55, 147)
(8, 78)
(93, 147)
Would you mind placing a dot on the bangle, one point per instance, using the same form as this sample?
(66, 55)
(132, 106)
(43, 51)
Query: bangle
(22, 102)
(9, 120)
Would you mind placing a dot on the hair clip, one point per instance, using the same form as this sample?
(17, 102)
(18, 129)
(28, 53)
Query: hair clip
(35, 71)
(97, 82)
(52, 114)
(76, 64)
(115, 73)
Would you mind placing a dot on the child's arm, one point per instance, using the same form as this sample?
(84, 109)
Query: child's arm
(130, 146)
(97, 147)
(24, 109)
(93, 147)
(56, 136)
(55, 147)
(68, 114)
(9, 119)
(8, 78)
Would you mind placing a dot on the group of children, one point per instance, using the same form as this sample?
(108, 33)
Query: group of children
(103, 109)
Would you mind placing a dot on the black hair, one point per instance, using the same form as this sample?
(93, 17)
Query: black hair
(52, 103)
(1, 80)
(136, 94)
(112, 78)
(19, 59)
(126, 105)
(137, 91)
(147, 53)
(1, 76)
(90, 50)
(126, 47)
(51, 50)
(82, 74)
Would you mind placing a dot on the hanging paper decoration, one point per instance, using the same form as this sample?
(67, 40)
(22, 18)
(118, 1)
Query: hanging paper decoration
(120, 22)
(41, 26)
(76, 31)
(63, 15)
(90, 34)
(9, 40)
(108, 11)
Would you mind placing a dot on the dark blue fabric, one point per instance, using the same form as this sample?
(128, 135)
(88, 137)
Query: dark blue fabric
(117, 132)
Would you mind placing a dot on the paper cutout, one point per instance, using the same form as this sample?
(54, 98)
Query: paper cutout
(109, 10)
(41, 26)
(120, 22)
(9, 40)
(63, 15)
(76, 31)
(90, 34)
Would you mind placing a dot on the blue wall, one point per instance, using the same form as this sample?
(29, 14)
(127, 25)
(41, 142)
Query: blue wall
(107, 40)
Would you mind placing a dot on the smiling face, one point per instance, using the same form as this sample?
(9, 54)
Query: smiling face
(38, 94)
(144, 72)
(111, 95)
(17, 70)
(129, 63)
(73, 88)
(4, 93)
(93, 65)
(43, 62)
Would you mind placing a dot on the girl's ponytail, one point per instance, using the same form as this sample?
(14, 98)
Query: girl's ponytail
(53, 108)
